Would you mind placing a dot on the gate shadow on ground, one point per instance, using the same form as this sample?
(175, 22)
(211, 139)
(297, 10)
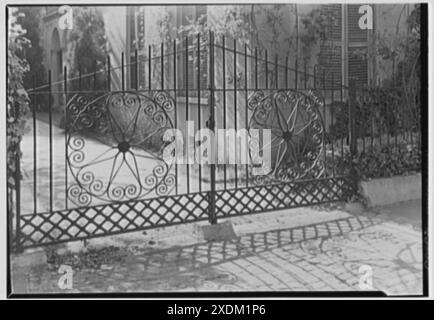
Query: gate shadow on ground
(184, 259)
(299, 258)
(316, 257)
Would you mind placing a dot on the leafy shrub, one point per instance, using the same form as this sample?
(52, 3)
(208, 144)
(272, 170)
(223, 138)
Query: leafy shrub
(377, 110)
(90, 46)
(388, 162)
(381, 162)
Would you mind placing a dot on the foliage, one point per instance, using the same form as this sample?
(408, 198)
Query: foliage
(233, 24)
(90, 44)
(318, 26)
(29, 19)
(17, 103)
(89, 48)
(388, 161)
(377, 110)
(380, 162)
(402, 51)
(92, 258)
(241, 22)
(267, 28)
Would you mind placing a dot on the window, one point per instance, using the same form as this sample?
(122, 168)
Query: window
(350, 61)
(357, 47)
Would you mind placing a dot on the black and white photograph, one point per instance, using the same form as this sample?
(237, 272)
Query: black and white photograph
(216, 149)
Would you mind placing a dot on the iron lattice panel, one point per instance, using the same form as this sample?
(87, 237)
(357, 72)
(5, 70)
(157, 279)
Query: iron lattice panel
(114, 218)
(282, 196)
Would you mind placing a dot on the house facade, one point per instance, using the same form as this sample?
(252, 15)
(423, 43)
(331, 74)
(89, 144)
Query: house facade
(289, 33)
(347, 52)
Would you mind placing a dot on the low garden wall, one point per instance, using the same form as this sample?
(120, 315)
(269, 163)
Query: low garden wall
(385, 191)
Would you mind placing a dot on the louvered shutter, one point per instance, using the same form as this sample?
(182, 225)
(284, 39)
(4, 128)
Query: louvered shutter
(357, 47)
(330, 56)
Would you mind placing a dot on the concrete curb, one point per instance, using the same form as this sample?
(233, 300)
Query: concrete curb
(29, 258)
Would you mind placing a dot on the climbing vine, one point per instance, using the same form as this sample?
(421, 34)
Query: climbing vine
(17, 102)
(266, 27)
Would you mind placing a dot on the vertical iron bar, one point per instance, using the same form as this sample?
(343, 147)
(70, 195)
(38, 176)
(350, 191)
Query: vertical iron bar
(35, 167)
(387, 123)
(324, 117)
(372, 129)
(186, 109)
(50, 127)
(286, 72)
(162, 65)
(94, 76)
(235, 112)
(305, 74)
(17, 181)
(404, 125)
(123, 72)
(296, 73)
(332, 105)
(396, 113)
(314, 76)
(224, 108)
(411, 131)
(246, 109)
(176, 108)
(363, 126)
(353, 137)
(341, 98)
(325, 93)
(256, 68)
(277, 71)
(65, 89)
(149, 67)
(199, 116)
(136, 70)
(266, 69)
(213, 217)
(352, 105)
(79, 78)
(108, 74)
(380, 129)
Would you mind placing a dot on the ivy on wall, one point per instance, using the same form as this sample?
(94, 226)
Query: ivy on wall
(30, 18)
(17, 98)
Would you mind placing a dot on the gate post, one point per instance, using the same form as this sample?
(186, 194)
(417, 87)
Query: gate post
(211, 126)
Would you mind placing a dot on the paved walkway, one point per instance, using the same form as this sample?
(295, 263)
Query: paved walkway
(278, 251)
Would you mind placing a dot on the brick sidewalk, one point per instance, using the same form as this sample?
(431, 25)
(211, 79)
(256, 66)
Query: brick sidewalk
(277, 251)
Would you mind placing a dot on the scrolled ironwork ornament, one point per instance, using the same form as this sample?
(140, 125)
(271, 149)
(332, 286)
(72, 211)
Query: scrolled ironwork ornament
(297, 133)
(121, 157)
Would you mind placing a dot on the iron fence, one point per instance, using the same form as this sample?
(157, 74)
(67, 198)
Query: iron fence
(101, 172)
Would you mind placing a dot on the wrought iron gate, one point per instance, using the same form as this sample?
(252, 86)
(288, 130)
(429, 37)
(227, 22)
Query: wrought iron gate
(112, 177)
